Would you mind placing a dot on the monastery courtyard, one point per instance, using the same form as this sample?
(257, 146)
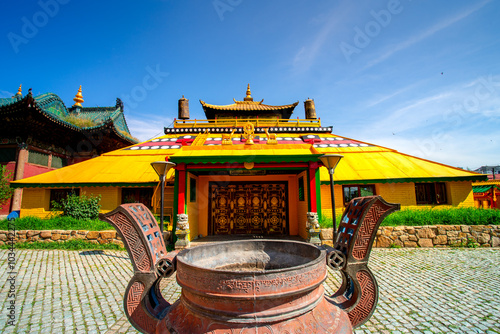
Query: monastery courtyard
(421, 291)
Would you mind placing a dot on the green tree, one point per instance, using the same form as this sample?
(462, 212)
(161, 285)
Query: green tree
(5, 189)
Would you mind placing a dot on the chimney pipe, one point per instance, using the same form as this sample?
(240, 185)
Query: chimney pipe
(183, 108)
(310, 109)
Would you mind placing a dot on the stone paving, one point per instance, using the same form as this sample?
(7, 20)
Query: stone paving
(421, 291)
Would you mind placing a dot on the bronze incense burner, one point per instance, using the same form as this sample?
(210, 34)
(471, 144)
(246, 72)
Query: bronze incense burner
(252, 286)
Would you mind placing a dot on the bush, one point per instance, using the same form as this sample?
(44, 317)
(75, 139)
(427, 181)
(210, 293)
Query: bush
(448, 216)
(79, 207)
(5, 190)
(56, 223)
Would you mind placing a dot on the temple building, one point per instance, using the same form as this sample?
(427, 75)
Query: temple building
(39, 134)
(250, 168)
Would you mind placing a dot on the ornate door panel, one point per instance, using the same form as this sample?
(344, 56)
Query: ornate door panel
(221, 210)
(242, 208)
(276, 209)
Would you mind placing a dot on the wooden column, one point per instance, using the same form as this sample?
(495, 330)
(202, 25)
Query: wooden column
(22, 159)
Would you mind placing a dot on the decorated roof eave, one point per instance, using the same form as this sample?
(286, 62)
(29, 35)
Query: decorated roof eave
(407, 180)
(110, 122)
(244, 158)
(79, 185)
(235, 106)
(483, 188)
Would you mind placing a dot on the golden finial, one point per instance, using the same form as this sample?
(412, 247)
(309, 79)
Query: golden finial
(78, 98)
(20, 91)
(249, 95)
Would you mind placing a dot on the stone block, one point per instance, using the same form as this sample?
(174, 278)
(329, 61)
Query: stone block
(412, 238)
(388, 230)
(45, 234)
(93, 235)
(73, 232)
(3, 237)
(440, 240)
(483, 238)
(495, 242)
(426, 233)
(403, 238)
(410, 230)
(108, 234)
(465, 228)
(425, 243)
(399, 228)
(32, 233)
(326, 234)
(410, 244)
(383, 241)
(55, 236)
(477, 228)
(452, 234)
(65, 237)
(118, 242)
(485, 245)
(102, 241)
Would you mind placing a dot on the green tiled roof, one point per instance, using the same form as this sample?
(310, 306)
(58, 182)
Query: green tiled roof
(52, 105)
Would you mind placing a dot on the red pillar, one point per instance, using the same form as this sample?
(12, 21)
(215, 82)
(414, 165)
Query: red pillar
(181, 194)
(313, 166)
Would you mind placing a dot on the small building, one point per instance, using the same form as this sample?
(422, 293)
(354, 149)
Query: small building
(249, 168)
(39, 134)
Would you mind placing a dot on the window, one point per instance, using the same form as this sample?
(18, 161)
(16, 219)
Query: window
(56, 195)
(353, 191)
(431, 193)
(38, 158)
(192, 190)
(302, 196)
(137, 195)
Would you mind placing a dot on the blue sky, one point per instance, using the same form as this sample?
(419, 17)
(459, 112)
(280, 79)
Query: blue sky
(422, 77)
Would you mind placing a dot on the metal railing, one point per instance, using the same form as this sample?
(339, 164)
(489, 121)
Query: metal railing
(239, 122)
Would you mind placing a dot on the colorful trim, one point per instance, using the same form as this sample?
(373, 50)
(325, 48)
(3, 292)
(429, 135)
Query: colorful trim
(78, 185)
(407, 180)
(242, 159)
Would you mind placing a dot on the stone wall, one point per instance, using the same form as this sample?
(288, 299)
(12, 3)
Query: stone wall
(387, 236)
(431, 236)
(96, 237)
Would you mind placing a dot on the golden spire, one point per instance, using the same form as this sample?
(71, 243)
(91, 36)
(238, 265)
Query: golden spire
(78, 98)
(20, 91)
(249, 95)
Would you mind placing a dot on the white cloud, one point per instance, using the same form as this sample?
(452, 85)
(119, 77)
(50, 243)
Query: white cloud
(5, 94)
(148, 126)
(427, 33)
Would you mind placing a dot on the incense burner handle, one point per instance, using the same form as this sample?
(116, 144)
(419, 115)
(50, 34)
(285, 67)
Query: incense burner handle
(144, 305)
(358, 294)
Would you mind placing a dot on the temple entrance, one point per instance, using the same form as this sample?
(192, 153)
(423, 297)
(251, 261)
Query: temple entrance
(248, 208)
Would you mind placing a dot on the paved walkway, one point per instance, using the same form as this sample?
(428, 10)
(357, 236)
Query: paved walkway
(421, 291)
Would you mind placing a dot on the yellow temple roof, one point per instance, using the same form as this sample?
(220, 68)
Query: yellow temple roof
(362, 163)
(247, 105)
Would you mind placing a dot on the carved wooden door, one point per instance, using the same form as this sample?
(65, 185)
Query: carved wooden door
(242, 208)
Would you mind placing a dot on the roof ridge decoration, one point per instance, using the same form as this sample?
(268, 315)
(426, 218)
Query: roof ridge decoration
(20, 90)
(78, 98)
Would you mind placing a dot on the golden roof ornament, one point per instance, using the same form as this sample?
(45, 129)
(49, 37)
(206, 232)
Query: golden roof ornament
(20, 91)
(249, 94)
(78, 98)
